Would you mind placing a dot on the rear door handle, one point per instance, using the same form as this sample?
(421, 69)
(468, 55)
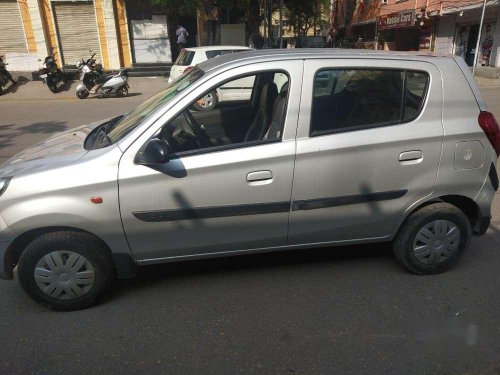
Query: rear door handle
(411, 156)
(259, 176)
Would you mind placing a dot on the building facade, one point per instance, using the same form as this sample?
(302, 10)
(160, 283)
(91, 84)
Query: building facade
(120, 32)
(421, 25)
(459, 29)
(408, 25)
(30, 29)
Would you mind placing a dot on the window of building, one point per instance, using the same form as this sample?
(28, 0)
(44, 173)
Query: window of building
(354, 99)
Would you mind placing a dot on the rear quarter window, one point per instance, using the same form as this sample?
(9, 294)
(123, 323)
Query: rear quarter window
(185, 58)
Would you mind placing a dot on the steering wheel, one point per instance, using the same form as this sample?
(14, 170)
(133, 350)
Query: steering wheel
(201, 138)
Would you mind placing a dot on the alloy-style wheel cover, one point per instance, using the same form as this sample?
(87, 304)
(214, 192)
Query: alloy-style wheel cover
(207, 101)
(64, 275)
(436, 241)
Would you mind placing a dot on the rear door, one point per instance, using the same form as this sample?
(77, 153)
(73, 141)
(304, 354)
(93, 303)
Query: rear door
(368, 147)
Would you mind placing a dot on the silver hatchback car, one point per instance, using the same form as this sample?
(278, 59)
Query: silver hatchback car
(331, 148)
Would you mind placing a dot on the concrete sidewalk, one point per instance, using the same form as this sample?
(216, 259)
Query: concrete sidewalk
(37, 91)
(487, 82)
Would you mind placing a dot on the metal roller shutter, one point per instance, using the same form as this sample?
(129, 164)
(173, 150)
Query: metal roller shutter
(12, 37)
(77, 30)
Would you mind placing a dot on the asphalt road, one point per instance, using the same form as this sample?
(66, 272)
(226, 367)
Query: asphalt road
(329, 311)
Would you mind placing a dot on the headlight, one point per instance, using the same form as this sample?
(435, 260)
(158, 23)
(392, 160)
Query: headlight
(4, 184)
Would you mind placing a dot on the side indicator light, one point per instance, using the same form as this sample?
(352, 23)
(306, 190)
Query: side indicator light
(96, 200)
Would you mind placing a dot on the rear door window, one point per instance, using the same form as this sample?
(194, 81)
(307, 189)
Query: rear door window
(185, 58)
(354, 99)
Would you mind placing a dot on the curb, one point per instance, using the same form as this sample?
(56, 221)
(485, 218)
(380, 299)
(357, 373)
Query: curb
(72, 74)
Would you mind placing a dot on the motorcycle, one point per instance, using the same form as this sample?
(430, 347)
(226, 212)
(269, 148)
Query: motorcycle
(93, 80)
(51, 75)
(4, 75)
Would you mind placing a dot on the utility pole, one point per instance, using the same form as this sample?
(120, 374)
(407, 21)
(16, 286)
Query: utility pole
(281, 23)
(479, 38)
(265, 18)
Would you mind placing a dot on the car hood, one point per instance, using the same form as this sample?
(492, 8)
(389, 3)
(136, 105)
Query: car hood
(62, 148)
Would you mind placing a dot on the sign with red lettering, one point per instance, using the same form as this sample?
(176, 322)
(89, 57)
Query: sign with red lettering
(396, 20)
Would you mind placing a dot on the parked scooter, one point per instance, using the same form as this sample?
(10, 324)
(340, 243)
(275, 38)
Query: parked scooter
(51, 75)
(5, 76)
(94, 81)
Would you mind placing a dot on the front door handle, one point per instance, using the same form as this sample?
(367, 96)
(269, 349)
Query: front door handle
(411, 156)
(259, 176)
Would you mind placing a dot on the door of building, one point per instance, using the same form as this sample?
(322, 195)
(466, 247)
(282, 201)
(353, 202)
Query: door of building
(11, 28)
(77, 30)
(471, 44)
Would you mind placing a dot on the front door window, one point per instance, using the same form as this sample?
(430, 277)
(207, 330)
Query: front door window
(249, 110)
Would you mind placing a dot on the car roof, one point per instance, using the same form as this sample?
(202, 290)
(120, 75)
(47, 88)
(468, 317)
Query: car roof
(217, 48)
(255, 56)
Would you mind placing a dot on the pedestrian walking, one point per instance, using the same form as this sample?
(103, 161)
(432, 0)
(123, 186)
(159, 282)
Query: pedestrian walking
(182, 35)
(330, 38)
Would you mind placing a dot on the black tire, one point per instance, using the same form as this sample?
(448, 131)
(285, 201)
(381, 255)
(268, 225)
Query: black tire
(82, 94)
(122, 92)
(53, 87)
(81, 243)
(405, 241)
(208, 105)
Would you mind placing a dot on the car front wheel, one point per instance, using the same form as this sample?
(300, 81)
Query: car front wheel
(65, 270)
(432, 239)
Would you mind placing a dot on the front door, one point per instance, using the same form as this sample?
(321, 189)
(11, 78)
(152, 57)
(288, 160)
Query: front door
(368, 147)
(222, 190)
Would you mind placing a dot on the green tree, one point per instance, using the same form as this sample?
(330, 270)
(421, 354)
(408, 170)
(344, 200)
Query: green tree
(189, 7)
(303, 15)
(180, 7)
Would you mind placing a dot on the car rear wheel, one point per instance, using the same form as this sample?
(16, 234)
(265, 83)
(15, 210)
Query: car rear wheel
(432, 239)
(207, 103)
(65, 270)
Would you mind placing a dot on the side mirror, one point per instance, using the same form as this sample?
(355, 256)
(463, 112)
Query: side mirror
(156, 152)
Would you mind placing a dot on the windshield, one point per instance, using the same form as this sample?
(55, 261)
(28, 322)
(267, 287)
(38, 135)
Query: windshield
(136, 117)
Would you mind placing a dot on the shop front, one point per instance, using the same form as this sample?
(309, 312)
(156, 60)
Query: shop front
(458, 33)
(403, 31)
(466, 39)
(364, 30)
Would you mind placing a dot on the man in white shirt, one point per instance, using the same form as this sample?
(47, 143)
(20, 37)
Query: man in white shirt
(182, 35)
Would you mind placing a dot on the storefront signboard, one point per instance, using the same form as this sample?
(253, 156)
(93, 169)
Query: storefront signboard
(396, 20)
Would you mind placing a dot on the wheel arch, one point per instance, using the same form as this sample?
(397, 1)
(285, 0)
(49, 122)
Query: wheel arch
(124, 265)
(463, 203)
